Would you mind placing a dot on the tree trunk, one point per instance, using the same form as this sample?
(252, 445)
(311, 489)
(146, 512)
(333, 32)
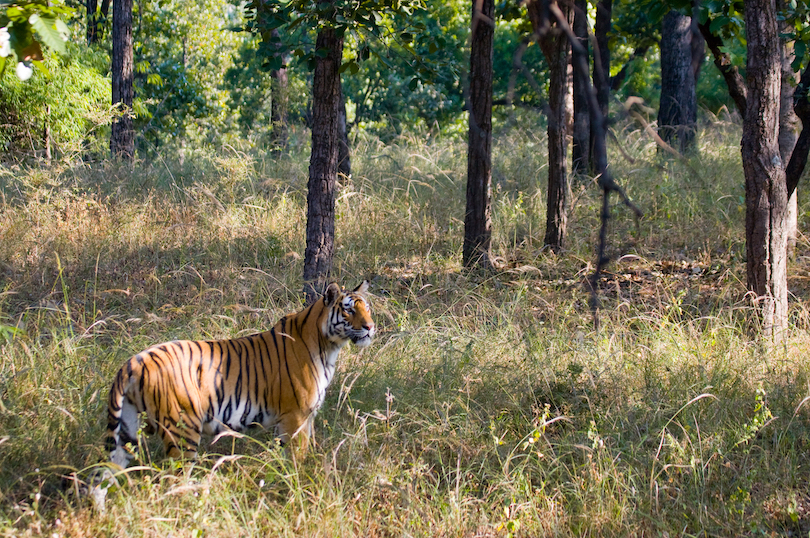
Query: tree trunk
(601, 64)
(581, 132)
(278, 105)
(677, 115)
(556, 48)
(789, 128)
(323, 165)
(478, 213)
(344, 149)
(765, 186)
(92, 21)
(122, 139)
(698, 44)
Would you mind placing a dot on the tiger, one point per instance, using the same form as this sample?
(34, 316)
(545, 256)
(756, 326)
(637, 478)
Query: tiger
(277, 378)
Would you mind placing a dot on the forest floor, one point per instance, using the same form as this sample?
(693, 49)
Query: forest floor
(488, 404)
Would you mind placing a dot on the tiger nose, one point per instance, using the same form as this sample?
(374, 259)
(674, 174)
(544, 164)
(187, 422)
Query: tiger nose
(369, 327)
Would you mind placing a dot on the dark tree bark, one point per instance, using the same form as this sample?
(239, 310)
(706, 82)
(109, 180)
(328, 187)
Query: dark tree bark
(601, 64)
(789, 127)
(278, 105)
(698, 44)
(677, 115)
(92, 21)
(556, 48)
(798, 160)
(478, 213)
(581, 132)
(765, 185)
(122, 139)
(323, 165)
(344, 149)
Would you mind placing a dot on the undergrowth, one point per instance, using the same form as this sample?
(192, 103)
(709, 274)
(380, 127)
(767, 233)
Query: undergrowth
(488, 405)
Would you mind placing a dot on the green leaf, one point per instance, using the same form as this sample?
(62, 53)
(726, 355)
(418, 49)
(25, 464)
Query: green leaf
(413, 84)
(154, 79)
(41, 68)
(407, 37)
(718, 23)
(47, 32)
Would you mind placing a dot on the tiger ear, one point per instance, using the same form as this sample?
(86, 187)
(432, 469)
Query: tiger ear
(332, 293)
(362, 288)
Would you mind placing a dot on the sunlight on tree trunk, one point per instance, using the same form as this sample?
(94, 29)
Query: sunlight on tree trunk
(765, 185)
(478, 215)
(323, 165)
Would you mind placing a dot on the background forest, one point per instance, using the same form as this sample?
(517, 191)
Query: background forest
(491, 402)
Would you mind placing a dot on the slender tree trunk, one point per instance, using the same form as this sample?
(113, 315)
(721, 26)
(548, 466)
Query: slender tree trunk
(323, 165)
(344, 149)
(765, 185)
(677, 115)
(278, 105)
(581, 132)
(92, 21)
(789, 127)
(478, 213)
(698, 44)
(557, 50)
(122, 139)
(601, 64)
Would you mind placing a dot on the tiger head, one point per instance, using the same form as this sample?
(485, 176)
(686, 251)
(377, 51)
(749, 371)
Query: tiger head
(349, 315)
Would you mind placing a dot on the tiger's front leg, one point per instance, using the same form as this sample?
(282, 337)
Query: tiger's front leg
(295, 431)
(180, 440)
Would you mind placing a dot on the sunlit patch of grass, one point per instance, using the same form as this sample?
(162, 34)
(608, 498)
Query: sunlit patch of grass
(488, 406)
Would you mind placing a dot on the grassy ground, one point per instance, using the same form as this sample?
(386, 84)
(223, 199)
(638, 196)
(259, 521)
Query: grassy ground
(488, 405)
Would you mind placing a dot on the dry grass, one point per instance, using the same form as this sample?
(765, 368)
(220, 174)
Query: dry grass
(488, 405)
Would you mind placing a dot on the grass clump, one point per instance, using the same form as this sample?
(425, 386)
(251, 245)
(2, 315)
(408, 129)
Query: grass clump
(488, 405)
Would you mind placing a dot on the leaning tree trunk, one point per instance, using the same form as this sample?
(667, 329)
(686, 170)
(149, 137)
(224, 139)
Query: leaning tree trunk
(122, 138)
(677, 115)
(601, 65)
(478, 213)
(323, 165)
(581, 134)
(765, 186)
(557, 49)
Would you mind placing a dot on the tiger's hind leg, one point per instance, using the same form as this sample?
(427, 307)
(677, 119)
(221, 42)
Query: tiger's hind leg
(127, 433)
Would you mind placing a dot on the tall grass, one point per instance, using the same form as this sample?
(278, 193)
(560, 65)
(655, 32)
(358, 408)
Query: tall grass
(488, 405)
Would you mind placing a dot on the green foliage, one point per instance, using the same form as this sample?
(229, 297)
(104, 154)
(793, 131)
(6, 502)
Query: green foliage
(27, 25)
(72, 103)
(183, 51)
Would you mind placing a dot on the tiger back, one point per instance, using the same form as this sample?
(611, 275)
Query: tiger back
(277, 378)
